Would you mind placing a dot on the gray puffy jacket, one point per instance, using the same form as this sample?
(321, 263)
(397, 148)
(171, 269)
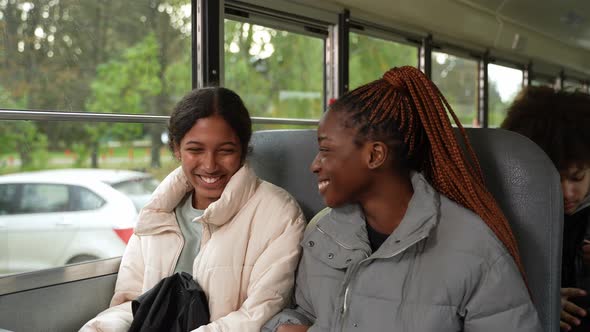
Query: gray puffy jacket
(441, 270)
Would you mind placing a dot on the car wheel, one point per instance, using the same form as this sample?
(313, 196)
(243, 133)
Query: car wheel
(81, 258)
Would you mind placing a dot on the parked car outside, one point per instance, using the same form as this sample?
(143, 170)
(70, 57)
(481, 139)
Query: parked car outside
(57, 217)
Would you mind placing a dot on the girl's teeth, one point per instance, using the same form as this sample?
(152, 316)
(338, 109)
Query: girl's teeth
(209, 180)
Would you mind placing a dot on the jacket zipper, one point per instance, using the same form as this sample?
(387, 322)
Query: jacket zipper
(177, 255)
(356, 268)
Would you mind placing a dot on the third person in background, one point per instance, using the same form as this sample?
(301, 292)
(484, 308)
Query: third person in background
(559, 122)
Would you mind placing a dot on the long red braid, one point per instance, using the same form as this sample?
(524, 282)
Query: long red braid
(405, 99)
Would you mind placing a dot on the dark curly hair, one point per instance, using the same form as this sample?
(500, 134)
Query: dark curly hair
(205, 102)
(557, 121)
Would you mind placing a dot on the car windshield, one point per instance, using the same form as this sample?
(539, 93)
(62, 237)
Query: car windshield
(138, 186)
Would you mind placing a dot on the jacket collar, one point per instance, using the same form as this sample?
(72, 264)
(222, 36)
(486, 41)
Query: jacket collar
(158, 217)
(585, 203)
(346, 225)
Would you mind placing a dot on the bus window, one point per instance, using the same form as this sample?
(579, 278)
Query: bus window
(504, 84)
(95, 56)
(456, 77)
(572, 85)
(278, 73)
(65, 189)
(370, 57)
(543, 81)
(87, 57)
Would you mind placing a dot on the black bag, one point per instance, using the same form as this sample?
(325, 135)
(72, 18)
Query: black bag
(175, 304)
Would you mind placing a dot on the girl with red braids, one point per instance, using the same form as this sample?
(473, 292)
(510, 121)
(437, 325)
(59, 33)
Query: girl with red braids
(413, 241)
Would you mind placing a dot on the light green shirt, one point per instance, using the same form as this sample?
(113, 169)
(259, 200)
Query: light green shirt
(191, 232)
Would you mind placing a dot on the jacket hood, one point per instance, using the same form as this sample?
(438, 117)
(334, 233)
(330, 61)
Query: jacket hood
(158, 215)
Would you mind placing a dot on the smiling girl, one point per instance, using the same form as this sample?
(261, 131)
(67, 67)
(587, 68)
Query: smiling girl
(414, 240)
(212, 217)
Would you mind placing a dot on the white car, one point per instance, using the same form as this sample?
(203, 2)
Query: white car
(57, 217)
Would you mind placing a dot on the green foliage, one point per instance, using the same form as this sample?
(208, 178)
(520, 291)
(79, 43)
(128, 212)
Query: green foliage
(82, 154)
(371, 57)
(127, 84)
(129, 44)
(457, 80)
(497, 107)
(8, 101)
(277, 73)
(178, 79)
(38, 151)
(22, 137)
(121, 83)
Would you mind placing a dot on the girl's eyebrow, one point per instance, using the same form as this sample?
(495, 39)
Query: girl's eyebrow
(201, 143)
(230, 143)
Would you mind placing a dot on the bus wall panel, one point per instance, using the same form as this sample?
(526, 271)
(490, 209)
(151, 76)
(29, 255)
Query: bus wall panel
(59, 308)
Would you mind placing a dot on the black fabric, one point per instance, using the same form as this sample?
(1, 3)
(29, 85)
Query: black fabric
(574, 228)
(376, 239)
(584, 303)
(573, 239)
(175, 304)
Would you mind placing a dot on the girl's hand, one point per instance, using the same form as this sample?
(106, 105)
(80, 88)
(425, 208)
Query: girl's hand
(292, 328)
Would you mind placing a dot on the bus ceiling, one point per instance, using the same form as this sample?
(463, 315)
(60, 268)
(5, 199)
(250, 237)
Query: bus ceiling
(551, 34)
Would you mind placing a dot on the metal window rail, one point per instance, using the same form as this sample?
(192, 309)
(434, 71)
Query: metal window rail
(37, 115)
(20, 282)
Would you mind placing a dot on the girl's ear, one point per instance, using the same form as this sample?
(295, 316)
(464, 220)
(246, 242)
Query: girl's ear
(177, 152)
(377, 153)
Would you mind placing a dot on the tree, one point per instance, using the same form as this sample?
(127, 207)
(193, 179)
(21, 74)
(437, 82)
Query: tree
(371, 57)
(126, 85)
(22, 137)
(277, 73)
(497, 107)
(457, 80)
(54, 47)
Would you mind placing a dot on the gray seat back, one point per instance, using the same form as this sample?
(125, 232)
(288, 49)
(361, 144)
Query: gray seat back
(517, 172)
(283, 157)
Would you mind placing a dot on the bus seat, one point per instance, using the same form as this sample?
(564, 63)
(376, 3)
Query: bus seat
(517, 172)
(283, 157)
